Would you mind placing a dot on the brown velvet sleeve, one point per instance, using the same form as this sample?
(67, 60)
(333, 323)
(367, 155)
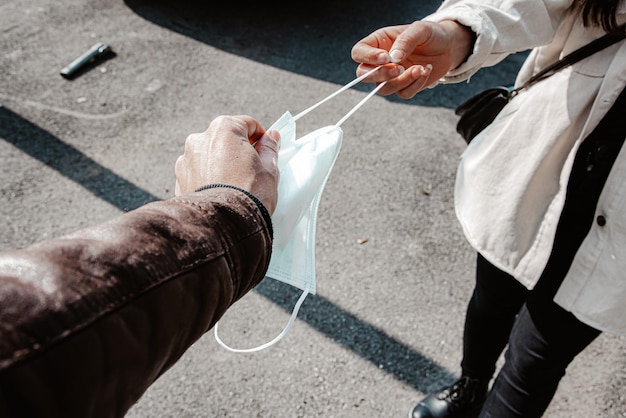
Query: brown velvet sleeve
(90, 320)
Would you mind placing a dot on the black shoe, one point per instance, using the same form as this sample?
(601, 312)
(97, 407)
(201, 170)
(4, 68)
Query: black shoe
(463, 399)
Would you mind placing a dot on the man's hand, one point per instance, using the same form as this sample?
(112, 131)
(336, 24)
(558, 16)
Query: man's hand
(234, 150)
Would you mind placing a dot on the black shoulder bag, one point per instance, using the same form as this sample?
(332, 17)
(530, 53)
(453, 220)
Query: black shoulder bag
(479, 111)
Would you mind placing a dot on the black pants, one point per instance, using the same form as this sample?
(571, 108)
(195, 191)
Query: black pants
(542, 342)
(542, 337)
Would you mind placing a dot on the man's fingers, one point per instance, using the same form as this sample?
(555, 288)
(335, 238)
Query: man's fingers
(253, 129)
(267, 146)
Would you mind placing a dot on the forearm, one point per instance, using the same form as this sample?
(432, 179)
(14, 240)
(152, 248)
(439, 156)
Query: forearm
(89, 321)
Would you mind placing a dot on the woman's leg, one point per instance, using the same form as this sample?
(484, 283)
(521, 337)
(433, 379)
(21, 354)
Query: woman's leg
(491, 312)
(538, 354)
(496, 300)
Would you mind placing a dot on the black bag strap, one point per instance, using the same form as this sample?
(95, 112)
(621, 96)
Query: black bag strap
(581, 53)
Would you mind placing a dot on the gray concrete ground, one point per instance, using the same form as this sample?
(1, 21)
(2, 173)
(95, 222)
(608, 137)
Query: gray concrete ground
(386, 324)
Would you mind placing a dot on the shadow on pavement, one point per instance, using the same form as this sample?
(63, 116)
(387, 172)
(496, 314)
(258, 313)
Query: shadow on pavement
(312, 38)
(70, 162)
(365, 340)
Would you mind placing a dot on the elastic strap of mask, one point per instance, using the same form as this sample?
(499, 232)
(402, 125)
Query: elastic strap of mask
(280, 336)
(341, 90)
(361, 103)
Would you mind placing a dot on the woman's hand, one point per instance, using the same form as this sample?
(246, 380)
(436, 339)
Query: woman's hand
(413, 56)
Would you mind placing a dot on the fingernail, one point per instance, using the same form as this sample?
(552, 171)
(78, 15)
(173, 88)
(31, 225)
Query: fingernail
(421, 71)
(396, 55)
(383, 58)
(396, 71)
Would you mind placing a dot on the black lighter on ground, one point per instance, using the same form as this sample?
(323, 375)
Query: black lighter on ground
(95, 53)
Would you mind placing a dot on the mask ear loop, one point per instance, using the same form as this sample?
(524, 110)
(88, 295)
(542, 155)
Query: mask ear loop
(341, 90)
(361, 103)
(279, 337)
(296, 308)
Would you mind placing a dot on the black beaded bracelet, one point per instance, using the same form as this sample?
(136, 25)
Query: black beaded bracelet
(262, 208)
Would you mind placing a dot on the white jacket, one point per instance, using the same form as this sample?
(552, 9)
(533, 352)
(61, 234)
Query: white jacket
(512, 179)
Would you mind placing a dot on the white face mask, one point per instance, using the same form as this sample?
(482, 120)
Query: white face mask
(305, 165)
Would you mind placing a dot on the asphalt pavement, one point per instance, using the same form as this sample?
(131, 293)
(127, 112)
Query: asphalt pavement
(394, 272)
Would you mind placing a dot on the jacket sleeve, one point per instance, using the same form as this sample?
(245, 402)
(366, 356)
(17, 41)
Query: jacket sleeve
(88, 321)
(502, 28)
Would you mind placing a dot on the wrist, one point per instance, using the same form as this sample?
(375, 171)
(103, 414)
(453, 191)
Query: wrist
(461, 40)
(264, 212)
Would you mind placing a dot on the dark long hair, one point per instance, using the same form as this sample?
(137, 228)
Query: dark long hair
(601, 13)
